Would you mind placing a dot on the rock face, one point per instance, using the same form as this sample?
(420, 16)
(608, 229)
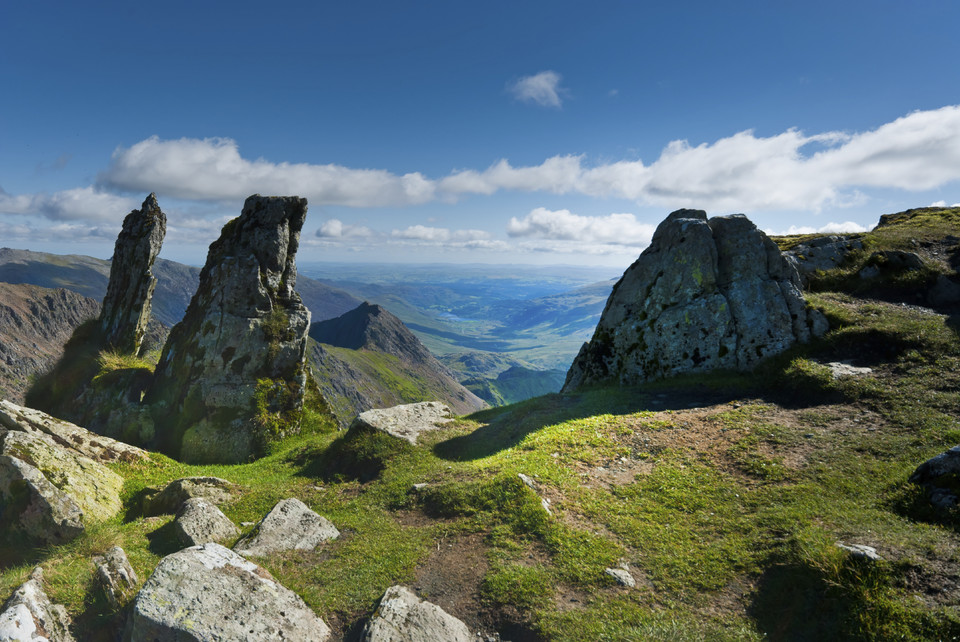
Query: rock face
(126, 306)
(403, 617)
(210, 593)
(705, 295)
(49, 492)
(235, 364)
(823, 253)
(289, 526)
(198, 522)
(365, 352)
(29, 615)
(35, 323)
(405, 422)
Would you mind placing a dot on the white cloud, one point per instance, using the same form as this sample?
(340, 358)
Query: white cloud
(618, 229)
(335, 229)
(440, 235)
(212, 169)
(78, 204)
(846, 227)
(542, 88)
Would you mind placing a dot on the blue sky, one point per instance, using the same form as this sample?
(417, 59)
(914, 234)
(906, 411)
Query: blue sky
(533, 132)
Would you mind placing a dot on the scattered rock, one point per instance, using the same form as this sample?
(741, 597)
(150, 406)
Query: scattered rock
(290, 525)
(51, 493)
(861, 551)
(869, 272)
(527, 481)
(232, 374)
(126, 306)
(405, 422)
(704, 295)
(174, 494)
(200, 521)
(896, 260)
(68, 435)
(622, 576)
(210, 593)
(940, 475)
(843, 369)
(29, 615)
(403, 617)
(821, 254)
(115, 575)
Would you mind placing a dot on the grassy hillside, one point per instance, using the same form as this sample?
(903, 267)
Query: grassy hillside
(724, 496)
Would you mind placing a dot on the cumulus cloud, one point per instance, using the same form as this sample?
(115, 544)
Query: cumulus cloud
(846, 227)
(440, 235)
(213, 169)
(563, 225)
(78, 204)
(336, 229)
(542, 88)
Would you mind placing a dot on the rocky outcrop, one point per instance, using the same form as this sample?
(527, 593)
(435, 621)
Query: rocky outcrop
(821, 254)
(84, 442)
(210, 593)
(705, 295)
(126, 307)
(198, 521)
(403, 617)
(35, 323)
(173, 495)
(115, 576)
(49, 493)
(363, 354)
(406, 422)
(289, 526)
(232, 375)
(29, 614)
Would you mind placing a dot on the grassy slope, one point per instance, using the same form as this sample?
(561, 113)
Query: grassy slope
(724, 495)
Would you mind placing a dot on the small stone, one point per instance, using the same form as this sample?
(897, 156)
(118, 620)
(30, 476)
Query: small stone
(861, 551)
(115, 575)
(844, 369)
(403, 617)
(174, 494)
(622, 576)
(528, 481)
(199, 521)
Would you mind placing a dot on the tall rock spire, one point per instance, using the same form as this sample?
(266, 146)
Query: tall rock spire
(232, 374)
(126, 306)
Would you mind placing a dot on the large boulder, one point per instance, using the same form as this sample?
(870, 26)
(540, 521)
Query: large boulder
(403, 617)
(705, 295)
(407, 421)
(290, 525)
(173, 495)
(210, 593)
(232, 374)
(81, 440)
(126, 305)
(49, 493)
(29, 615)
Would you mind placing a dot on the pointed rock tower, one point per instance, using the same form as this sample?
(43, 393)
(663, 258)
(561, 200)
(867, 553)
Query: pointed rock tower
(232, 374)
(705, 295)
(126, 306)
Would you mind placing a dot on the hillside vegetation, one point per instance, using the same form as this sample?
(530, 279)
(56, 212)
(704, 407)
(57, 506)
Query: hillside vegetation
(724, 495)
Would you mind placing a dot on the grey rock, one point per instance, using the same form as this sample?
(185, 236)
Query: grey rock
(200, 521)
(622, 576)
(403, 617)
(232, 374)
(896, 260)
(290, 525)
(869, 272)
(51, 493)
(210, 593)
(860, 551)
(405, 422)
(126, 305)
(843, 369)
(115, 576)
(29, 615)
(174, 494)
(944, 292)
(946, 464)
(704, 295)
(821, 254)
(68, 435)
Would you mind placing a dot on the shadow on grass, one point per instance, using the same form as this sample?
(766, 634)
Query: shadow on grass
(164, 541)
(793, 602)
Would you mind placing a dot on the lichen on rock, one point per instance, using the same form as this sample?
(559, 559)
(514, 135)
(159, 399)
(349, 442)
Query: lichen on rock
(235, 363)
(705, 295)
